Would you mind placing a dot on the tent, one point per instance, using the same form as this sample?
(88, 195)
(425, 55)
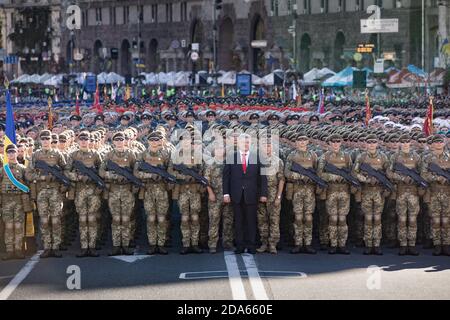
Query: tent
(228, 78)
(417, 71)
(436, 78)
(344, 78)
(404, 79)
(315, 75)
(54, 81)
(179, 79)
(21, 78)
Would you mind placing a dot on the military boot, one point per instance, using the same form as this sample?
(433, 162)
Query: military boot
(343, 250)
(8, 256)
(162, 250)
(273, 249)
(446, 250)
(46, 254)
(84, 253)
(55, 254)
(377, 251)
(116, 251)
(332, 250)
(151, 251)
(196, 249)
(185, 250)
(128, 251)
(367, 251)
(296, 249)
(412, 251)
(93, 253)
(310, 250)
(437, 251)
(212, 250)
(403, 250)
(262, 249)
(19, 255)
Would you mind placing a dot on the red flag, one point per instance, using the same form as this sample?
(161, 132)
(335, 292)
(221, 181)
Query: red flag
(97, 104)
(368, 111)
(428, 124)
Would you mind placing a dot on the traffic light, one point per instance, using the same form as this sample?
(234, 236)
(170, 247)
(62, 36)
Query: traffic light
(218, 4)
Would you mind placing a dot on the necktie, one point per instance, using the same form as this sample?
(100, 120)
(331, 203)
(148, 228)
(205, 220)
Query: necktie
(244, 163)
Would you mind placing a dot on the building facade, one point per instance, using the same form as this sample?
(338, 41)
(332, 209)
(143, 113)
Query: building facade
(131, 36)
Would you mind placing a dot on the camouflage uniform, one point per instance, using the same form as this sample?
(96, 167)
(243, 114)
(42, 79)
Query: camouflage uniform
(269, 212)
(218, 209)
(372, 196)
(156, 199)
(439, 198)
(407, 198)
(337, 198)
(15, 204)
(304, 196)
(49, 197)
(121, 198)
(87, 197)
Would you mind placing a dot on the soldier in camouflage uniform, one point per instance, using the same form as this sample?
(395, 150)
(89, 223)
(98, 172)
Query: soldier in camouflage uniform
(217, 209)
(372, 194)
(87, 195)
(304, 193)
(121, 196)
(439, 208)
(407, 201)
(49, 197)
(156, 199)
(189, 193)
(269, 212)
(14, 205)
(338, 194)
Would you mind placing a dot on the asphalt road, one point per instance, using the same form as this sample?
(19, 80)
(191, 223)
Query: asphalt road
(228, 276)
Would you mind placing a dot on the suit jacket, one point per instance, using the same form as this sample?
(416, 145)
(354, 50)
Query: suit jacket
(251, 184)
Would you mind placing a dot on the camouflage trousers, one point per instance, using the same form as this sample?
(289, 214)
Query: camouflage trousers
(338, 206)
(407, 208)
(87, 204)
(49, 204)
(189, 202)
(372, 203)
(13, 217)
(121, 205)
(269, 222)
(156, 205)
(216, 211)
(304, 203)
(389, 220)
(440, 217)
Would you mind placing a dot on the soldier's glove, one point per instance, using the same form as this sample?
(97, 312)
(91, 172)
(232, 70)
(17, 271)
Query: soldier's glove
(296, 176)
(441, 180)
(407, 180)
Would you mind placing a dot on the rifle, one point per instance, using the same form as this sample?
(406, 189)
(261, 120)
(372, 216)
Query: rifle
(413, 174)
(124, 172)
(433, 167)
(144, 166)
(310, 174)
(331, 168)
(89, 172)
(377, 174)
(191, 172)
(54, 171)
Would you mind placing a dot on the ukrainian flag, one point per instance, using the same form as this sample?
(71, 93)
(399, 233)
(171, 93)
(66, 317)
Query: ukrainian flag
(10, 138)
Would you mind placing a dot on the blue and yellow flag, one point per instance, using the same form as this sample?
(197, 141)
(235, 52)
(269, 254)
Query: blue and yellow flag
(10, 138)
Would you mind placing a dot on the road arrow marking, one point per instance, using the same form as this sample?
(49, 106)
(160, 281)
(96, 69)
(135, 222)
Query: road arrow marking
(131, 259)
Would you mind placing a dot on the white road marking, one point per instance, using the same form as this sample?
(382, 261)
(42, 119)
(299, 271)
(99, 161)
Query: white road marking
(17, 280)
(253, 275)
(234, 276)
(131, 259)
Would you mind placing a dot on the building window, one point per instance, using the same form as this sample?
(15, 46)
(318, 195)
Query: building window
(98, 15)
(126, 15)
(183, 11)
(154, 13)
(169, 12)
(324, 6)
(289, 6)
(274, 7)
(113, 16)
(141, 13)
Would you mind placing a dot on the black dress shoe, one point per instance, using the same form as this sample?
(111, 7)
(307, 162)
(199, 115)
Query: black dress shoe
(296, 249)
(84, 253)
(45, 254)
(185, 250)
(116, 251)
(162, 250)
(377, 251)
(343, 250)
(309, 250)
(403, 251)
(332, 250)
(151, 251)
(55, 254)
(239, 251)
(367, 251)
(93, 253)
(437, 251)
(413, 251)
(196, 249)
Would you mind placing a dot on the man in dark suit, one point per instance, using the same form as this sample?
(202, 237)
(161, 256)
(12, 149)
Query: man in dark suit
(244, 186)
